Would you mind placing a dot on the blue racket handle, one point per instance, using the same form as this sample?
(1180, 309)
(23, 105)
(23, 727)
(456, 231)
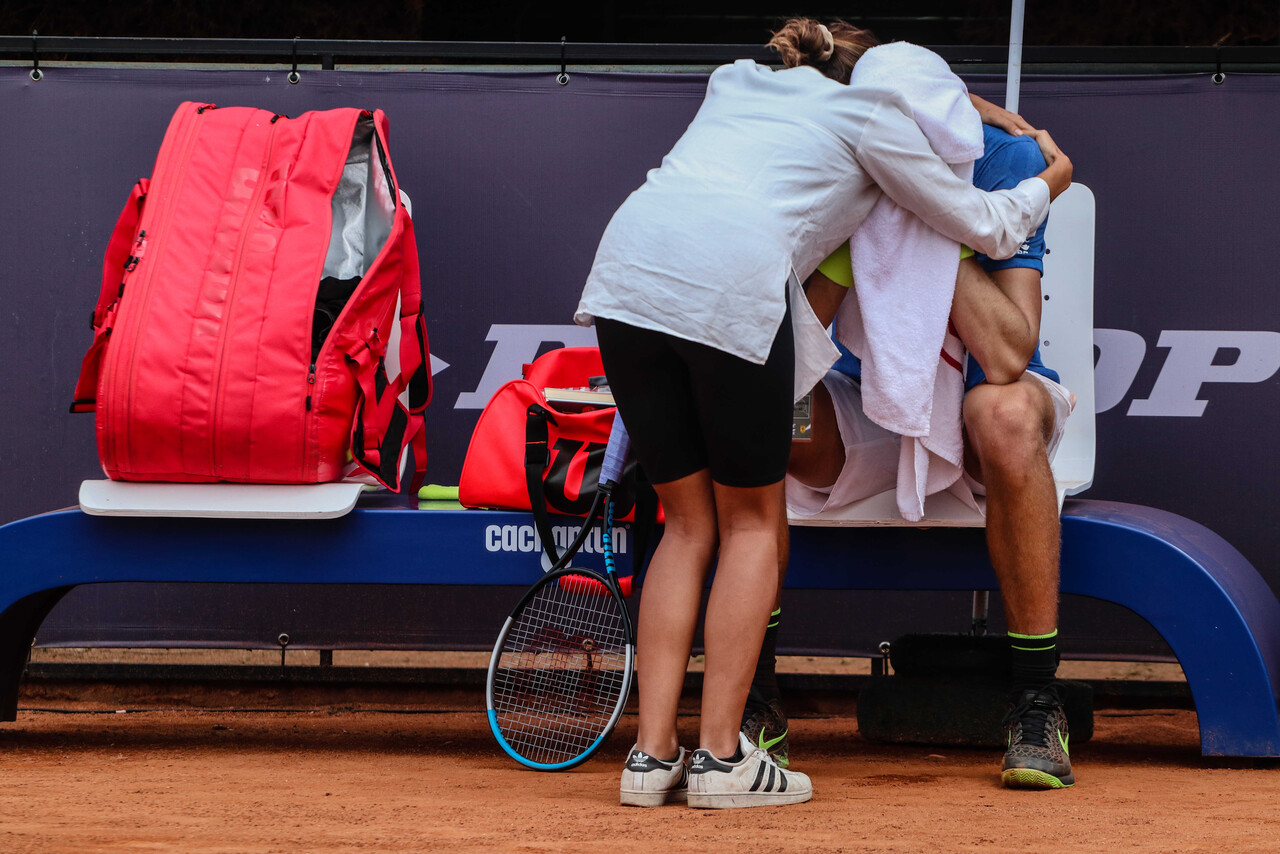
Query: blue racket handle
(615, 454)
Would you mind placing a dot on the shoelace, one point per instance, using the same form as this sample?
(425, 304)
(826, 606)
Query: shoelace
(1032, 715)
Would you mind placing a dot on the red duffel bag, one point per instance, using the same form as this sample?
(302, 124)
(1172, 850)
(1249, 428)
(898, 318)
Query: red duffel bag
(545, 433)
(524, 443)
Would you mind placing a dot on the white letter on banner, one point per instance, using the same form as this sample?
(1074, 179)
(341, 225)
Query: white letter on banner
(528, 542)
(619, 541)
(1120, 355)
(492, 538)
(516, 345)
(509, 535)
(1189, 365)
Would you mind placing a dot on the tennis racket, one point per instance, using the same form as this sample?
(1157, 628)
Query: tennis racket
(560, 672)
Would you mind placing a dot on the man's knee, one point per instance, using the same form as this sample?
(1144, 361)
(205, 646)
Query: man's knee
(817, 462)
(1008, 422)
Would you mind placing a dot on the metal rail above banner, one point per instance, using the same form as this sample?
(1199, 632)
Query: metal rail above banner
(328, 52)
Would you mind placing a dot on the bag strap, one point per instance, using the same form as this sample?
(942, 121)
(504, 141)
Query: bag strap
(382, 426)
(118, 262)
(415, 355)
(415, 348)
(644, 524)
(537, 456)
(617, 470)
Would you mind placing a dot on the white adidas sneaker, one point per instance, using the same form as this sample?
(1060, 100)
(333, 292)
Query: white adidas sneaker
(650, 782)
(754, 781)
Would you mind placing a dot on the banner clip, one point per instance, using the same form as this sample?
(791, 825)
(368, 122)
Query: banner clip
(563, 77)
(294, 76)
(36, 74)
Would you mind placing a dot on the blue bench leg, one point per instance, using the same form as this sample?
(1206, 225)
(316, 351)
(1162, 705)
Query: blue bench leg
(18, 626)
(1209, 604)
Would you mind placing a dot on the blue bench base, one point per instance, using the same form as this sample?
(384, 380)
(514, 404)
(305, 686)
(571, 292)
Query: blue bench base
(1208, 603)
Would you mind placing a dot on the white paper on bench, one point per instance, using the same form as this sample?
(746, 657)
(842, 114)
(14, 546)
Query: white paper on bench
(219, 500)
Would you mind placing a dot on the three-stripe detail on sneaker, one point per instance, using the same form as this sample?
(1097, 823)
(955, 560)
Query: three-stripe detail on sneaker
(774, 774)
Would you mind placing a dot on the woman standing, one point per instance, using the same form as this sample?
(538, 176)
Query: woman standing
(689, 294)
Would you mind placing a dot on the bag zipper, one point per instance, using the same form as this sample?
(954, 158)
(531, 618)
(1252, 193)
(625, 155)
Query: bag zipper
(136, 252)
(158, 226)
(251, 212)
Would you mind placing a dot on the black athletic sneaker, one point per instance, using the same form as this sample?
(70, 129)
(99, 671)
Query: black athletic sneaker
(1036, 737)
(764, 723)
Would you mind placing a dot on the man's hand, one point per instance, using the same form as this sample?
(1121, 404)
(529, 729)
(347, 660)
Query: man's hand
(999, 117)
(1058, 175)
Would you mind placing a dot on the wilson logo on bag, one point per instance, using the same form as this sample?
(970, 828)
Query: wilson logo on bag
(249, 298)
(577, 463)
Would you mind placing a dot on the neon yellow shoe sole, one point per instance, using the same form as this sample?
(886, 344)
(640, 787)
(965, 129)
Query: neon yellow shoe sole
(1029, 778)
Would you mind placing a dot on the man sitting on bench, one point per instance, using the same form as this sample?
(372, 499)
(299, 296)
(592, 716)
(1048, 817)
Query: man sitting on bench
(1014, 414)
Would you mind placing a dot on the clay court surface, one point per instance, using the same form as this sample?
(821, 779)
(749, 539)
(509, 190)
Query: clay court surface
(230, 768)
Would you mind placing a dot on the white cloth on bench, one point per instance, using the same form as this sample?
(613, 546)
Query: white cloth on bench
(871, 453)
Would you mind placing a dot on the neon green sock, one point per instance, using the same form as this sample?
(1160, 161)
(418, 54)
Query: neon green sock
(1035, 660)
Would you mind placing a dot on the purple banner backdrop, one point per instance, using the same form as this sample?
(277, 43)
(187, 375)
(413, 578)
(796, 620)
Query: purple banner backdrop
(513, 179)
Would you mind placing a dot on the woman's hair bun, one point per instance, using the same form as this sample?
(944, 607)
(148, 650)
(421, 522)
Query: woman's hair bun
(831, 48)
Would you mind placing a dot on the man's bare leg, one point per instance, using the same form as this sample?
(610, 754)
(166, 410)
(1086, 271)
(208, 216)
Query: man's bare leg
(1007, 428)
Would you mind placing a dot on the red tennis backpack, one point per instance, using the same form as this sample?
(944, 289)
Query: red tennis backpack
(249, 296)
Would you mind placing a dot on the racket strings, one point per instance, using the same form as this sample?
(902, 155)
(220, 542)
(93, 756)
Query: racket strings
(562, 673)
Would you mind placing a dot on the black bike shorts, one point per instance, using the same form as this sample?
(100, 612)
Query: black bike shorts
(689, 406)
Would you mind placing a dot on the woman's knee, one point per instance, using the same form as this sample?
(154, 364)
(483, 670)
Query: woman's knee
(752, 511)
(689, 508)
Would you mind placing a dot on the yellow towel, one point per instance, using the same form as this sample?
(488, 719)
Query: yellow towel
(436, 492)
